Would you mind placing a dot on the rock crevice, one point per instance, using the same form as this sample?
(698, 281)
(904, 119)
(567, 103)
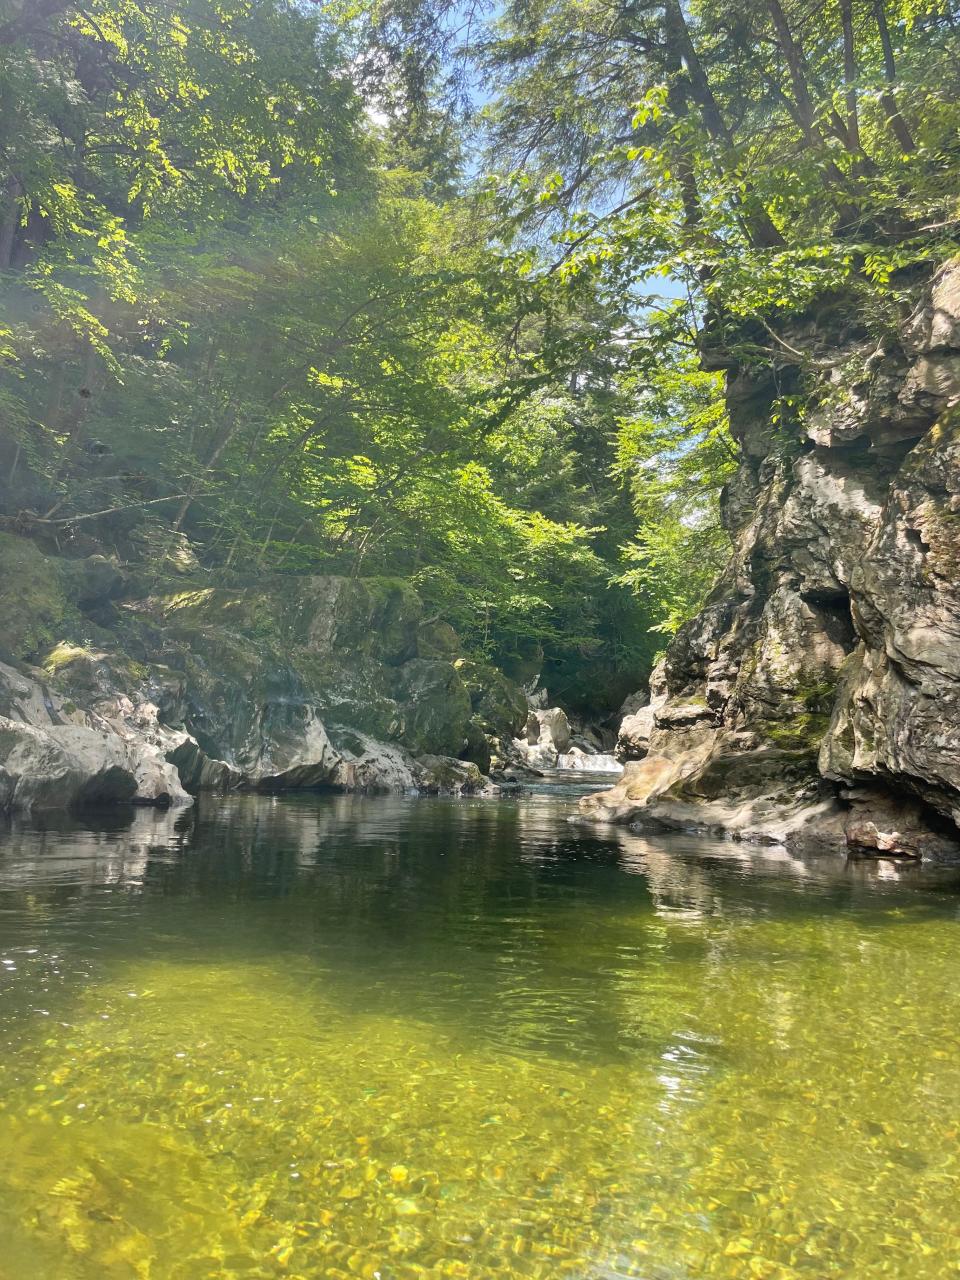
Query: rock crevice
(816, 697)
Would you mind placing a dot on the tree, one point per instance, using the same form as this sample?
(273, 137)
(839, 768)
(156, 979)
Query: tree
(755, 154)
(313, 363)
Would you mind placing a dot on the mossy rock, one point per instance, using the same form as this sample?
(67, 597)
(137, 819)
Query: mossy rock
(74, 668)
(498, 706)
(352, 689)
(36, 605)
(203, 618)
(94, 581)
(477, 748)
(804, 731)
(818, 697)
(739, 773)
(438, 640)
(441, 775)
(378, 617)
(434, 707)
(87, 674)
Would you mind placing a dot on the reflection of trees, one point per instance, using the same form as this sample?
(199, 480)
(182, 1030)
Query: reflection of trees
(419, 906)
(632, 1017)
(502, 920)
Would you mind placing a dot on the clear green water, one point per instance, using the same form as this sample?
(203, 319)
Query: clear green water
(340, 1037)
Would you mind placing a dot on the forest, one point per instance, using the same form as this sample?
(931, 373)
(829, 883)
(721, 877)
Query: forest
(479, 639)
(444, 292)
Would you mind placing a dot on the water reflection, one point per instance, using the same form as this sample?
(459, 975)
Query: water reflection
(337, 1036)
(280, 840)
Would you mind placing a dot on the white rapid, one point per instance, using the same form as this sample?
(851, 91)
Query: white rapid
(599, 763)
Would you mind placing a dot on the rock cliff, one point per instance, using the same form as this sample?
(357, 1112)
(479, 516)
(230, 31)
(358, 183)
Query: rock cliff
(816, 697)
(119, 688)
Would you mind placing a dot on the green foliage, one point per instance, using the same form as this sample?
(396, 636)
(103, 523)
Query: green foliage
(262, 344)
(736, 152)
(118, 114)
(248, 325)
(34, 603)
(675, 454)
(753, 161)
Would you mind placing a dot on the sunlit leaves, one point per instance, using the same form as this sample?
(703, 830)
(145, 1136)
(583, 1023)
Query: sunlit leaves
(674, 452)
(715, 160)
(162, 111)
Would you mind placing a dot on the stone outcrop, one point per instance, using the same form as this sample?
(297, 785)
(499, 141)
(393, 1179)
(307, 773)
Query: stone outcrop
(54, 757)
(816, 697)
(498, 710)
(550, 741)
(545, 737)
(637, 719)
(110, 694)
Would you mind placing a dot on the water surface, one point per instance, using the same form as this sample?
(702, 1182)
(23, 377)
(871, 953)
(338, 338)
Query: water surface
(340, 1037)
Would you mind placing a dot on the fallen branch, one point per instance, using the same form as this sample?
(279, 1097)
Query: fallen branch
(26, 519)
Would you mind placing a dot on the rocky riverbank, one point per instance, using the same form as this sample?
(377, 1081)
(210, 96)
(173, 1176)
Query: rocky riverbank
(817, 695)
(119, 686)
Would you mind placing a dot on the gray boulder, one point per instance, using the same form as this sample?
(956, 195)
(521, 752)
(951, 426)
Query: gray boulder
(68, 767)
(547, 736)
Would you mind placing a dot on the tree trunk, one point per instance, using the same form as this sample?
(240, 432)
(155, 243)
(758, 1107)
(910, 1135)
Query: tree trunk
(55, 399)
(796, 65)
(227, 432)
(850, 74)
(8, 228)
(803, 109)
(678, 39)
(682, 52)
(888, 99)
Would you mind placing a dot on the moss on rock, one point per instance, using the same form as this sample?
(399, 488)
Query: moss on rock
(35, 605)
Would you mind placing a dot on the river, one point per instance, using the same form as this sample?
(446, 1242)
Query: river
(333, 1036)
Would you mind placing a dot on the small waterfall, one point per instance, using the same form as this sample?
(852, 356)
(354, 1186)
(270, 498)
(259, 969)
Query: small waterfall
(598, 763)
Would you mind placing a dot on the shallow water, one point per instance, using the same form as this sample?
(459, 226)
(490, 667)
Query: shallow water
(340, 1037)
